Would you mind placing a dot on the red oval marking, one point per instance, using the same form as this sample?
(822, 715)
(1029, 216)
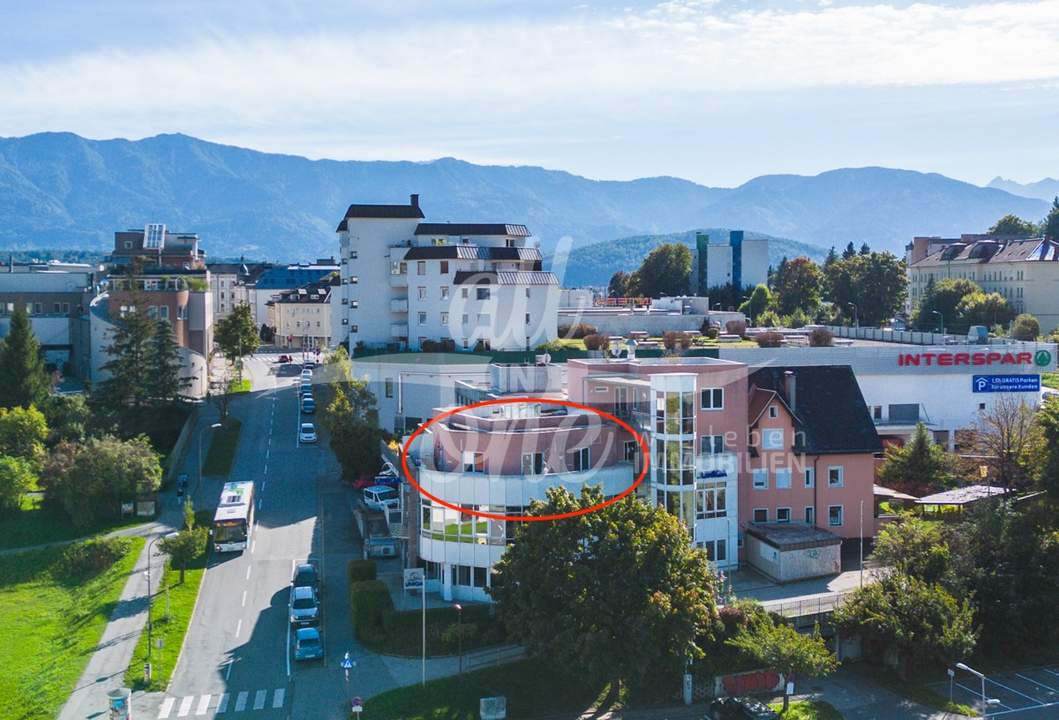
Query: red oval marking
(527, 518)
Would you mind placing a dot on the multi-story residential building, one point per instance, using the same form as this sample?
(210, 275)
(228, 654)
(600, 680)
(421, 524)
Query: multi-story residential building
(465, 285)
(1025, 271)
(230, 284)
(284, 278)
(302, 317)
(56, 297)
(157, 246)
(742, 262)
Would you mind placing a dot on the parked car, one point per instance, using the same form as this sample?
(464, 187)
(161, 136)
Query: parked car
(377, 497)
(367, 481)
(307, 644)
(304, 606)
(307, 374)
(740, 708)
(308, 404)
(284, 359)
(305, 575)
(307, 433)
(309, 364)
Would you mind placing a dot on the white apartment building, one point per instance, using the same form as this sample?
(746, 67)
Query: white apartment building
(462, 285)
(742, 262)
(1024, 271)
(231, 285)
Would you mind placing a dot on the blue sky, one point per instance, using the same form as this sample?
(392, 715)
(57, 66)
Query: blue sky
(717, 91)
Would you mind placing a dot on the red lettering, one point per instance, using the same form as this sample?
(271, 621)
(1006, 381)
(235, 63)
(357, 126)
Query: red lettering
(1008, 359)
(928, 357)
(978, 359)
(991, 358)
(945, 359)
(962, 359)
(1025, 358)
(908, 360)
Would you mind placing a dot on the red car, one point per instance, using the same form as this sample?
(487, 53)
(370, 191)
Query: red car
(366, 481)
(284, 358)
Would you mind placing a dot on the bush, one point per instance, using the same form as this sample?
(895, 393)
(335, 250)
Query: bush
(459, 634)
(712, 332)
(594, 342)
(359, 570)
(798, 318)
(821, 337)
(446, 345)
(1025, 327)
(92, 557)
(676, 340)
(736, 327)
(577, 332)
(769, 318)
(769, 339)
(369, 604)
(550, 346)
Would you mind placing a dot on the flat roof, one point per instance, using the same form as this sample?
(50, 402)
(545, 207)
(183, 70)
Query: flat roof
(787, 536)
(880, 491)
(963, 496)
(427, 358)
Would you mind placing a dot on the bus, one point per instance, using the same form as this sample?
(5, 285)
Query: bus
(234, 520)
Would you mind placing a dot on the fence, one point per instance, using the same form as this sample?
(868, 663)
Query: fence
(493, 656)
(808, 606)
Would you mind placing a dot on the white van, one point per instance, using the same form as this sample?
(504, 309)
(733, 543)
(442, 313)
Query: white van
(378, 497)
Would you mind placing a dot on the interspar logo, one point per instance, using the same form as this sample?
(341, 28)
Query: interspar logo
(948, 359)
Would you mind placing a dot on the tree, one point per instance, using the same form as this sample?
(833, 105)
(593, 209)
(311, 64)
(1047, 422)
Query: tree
(16, 478)
(923, 623)
(618, 286)
(620, 593)
(91, 481)
(665, 271)
(1048, 468)
(874, 283)
(1025, 327)
(67, 417)
(821, 337)
(865, 249)
(979, 308)
(727, 295)
(1050, 224)
(185, 547)
(757, 302)
(915, 547)
(831, 259)
(1013, 225)
(919, 468)
(22, 365)
(943, 296)
(127, 367)
(22, 434)
(236, 335)
(780, 647)
(351, 420)
(1006, 437)
(849, 252)
(796, 286)
(164, 383)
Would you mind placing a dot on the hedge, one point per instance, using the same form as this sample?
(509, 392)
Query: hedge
(369, 602)
(359, 570)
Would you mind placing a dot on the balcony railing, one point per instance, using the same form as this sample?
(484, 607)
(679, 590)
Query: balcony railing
(399, 305)
(398, 280)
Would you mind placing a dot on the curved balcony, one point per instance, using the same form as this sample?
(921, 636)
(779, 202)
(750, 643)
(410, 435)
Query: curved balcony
(520, 490)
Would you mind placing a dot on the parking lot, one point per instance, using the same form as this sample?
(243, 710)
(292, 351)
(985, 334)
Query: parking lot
(1029, 694)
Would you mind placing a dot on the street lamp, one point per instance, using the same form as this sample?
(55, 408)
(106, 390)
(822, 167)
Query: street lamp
(986, 702)
(150, 597)
(856, 316)
(459, 633)
(214, 426)
(941, 320)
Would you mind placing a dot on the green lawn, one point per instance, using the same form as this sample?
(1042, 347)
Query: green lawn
(222, 448)
(808, 710)
(171, 630)
(37, 524)
(50, 626)
(532, 688)
(239, 386)
(1050, 380)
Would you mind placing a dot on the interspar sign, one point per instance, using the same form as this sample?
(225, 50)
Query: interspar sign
(1042, 358)
(1006, 383)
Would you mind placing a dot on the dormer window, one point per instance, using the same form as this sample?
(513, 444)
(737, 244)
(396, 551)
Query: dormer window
(773, 412)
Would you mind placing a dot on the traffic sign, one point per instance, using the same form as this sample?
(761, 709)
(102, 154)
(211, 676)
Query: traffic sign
(346, 662)
(356, 705)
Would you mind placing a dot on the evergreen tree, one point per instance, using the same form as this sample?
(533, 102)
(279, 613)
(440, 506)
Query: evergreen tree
(919, 468)
(849, 252)
(22, 365)
(164, 383)
(865, 249)
(129, 350)
(831, 259)
(1050, 224)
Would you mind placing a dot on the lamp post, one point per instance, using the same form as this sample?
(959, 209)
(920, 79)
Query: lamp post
(150, 597)
(986, 702)
(941, 320)
(202, 432)
(459, 633)
(856, 316)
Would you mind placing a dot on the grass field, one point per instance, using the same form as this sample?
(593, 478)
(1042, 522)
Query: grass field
(1050, 380)
(808, 710)
(170, 630)
(37, 524)
(239, 386)
(222, 448)
(50, 626)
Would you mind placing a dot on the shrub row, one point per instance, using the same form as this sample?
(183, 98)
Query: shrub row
(369, 602)
(92, 557)
(359, 570)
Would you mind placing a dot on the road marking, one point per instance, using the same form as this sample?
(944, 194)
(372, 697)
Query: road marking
(204, 703)
(222, 704)
(1013, 690)
(977, 694)
(253, 546)
(1038, 683)
(259, 699)
(244, 598)
(277, 698)
(240, 702)
(248, 569)
(166, 708)
(238, 627)
(1050, 672)
(185, 706)
(1021, 710)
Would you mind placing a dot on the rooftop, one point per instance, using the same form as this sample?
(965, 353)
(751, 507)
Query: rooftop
(963, 496)
(461, 229)
(787, 536)
(411, 211)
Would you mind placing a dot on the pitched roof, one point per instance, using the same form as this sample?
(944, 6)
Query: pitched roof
(472, 229)
(386, 212)
(471, 252)
(505, 277)
(829, 410)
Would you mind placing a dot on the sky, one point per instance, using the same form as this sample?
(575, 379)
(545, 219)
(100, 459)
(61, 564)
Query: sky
(716, 91)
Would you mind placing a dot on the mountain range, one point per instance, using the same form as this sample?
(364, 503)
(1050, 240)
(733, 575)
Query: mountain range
(60, 190)
(1046, 189)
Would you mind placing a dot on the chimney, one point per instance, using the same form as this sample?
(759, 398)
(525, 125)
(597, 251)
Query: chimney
(792, 390)
(415, 199)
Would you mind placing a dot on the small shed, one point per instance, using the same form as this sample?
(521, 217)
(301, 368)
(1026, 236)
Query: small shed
(957, 499)
(786, 552)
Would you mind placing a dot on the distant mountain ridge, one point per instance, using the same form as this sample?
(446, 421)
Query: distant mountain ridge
(1046, 189)
(594, 264)
(59, 190)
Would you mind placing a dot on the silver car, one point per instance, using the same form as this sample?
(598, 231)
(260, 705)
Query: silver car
(304, 605)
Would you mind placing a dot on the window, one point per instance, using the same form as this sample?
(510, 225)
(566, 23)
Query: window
(834, 515)
(527, 293)
(533, 463)
(352, 254)
(483, 319)
(876, 412)
(163, 311)
(527, 318)
(38, 308)
(444, 318)
(716, 551)
(631, 448)
(783, 479)
(422, 318)
(128, 244)
(354, 328)
(421, 292)
(810, 515)
(444, 292)
(711, 444)
(772, 439)
(57, 308)
(444, 267)
(463, 293)
(809, 477)
(354, 304)
(421, 267)
(482, 293)
(773, 412)
(479, 577)
(711, 502)
(835, 476)
(712, 399)
(464, 318)
(473, 462)
(387, 385)
(761, 478)
(761, 515)
(582, 459)
(66, 309)
(353, 279)
(783, 515)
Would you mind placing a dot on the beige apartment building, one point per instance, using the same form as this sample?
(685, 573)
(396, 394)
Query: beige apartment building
(302, 317)
(1025, 271)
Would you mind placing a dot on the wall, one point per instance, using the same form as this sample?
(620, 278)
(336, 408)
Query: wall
(792, 565)
(611, 323)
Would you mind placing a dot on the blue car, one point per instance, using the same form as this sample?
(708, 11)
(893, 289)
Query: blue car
(307, 644)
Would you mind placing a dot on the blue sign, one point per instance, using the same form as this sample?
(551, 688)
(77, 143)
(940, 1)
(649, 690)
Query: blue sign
(346, 663)
(1006, 383)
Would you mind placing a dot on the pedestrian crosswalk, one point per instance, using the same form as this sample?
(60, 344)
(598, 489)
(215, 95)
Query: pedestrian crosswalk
(190, 706)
